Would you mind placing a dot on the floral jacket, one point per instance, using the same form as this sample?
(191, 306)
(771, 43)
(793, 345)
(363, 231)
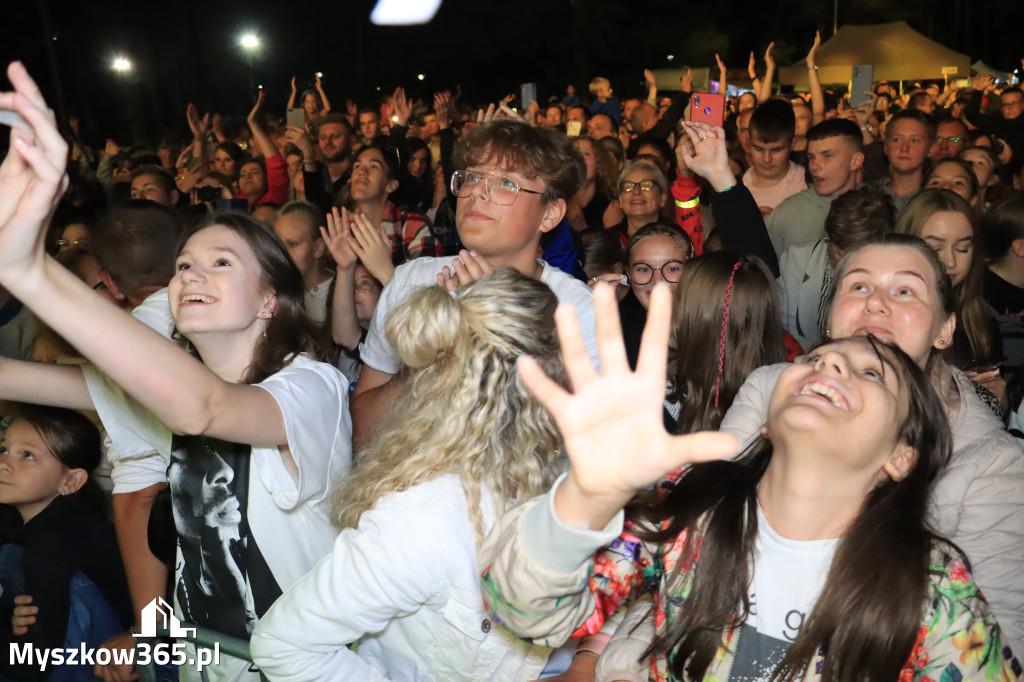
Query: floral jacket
(541, 585)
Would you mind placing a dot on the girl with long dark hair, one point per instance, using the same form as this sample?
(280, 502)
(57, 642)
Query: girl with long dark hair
(807, 558)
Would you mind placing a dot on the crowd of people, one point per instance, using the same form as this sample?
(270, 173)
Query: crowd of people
(572, 390)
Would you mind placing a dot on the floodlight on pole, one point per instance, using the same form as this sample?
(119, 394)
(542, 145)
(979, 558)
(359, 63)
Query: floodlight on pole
(122, 64)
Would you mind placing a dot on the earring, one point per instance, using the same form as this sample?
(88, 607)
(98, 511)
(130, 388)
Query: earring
(263, 314)
(940, 342)
(63, 493)
(828, 333)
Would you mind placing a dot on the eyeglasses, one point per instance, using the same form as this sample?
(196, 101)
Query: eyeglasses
(643, 273)
(80, 243)
(500, 189)
(644, 186)
(954, 140)
(1010, 105)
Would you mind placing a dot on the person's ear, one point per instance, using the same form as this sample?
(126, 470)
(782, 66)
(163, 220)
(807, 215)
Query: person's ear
(269, 306)
(391, 186)
(901, 462)
(945, 338)
(175, 196)
(1018, 247)
(319, 248)
(856, 161)
(73, 481)
(553, 214)
(108, 282)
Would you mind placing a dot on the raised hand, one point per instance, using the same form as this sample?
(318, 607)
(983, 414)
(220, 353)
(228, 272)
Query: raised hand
(200, 126)
(401, 107)
(373, 247)
(251, 118)
(752, 66)
(707, 155)
(485, 116)
(769, 60)
(721, 66)
(686, 82)
(32, 178)
(338, 238)
(684, 150)
(649, 78)
(612, 421)
(293, 85)
(814, 50)
(443, 107)
(299, 138)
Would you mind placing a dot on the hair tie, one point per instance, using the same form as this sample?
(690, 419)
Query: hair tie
(725, 322)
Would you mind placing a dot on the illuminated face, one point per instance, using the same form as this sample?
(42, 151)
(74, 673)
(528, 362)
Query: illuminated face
(654, 256)
(833, 164)
(803, 119)
(252, 180)
(906, 145)
(951, 235)
(148, 187)
(499, 232)
(1011, 105)
(586, 148)
(369, 124)
(771, 159)
(367, 293)
(31, 477)
(430, 127)
(223, 163)
(335, 142)
(370, 180)
(553, 116)
(309, 104)
(419, 164)
(889, 292)
(306, 252)
(950, 140)
(983, 168)
(75, 234)
(643, 206)
(217, 287)
(952, 176)
(599, 126)
(850, 397)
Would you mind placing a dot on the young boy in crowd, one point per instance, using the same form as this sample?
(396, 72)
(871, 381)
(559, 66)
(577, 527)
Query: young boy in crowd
(604, 101)
(772, 177)
(834, 158)
(908, 139)
(513, 185)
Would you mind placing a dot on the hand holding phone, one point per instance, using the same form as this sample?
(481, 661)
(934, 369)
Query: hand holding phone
(708, 107)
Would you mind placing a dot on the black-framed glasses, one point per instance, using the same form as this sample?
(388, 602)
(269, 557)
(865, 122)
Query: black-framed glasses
(500, 189)
(643, 273)
(643, 185)
(954, 140)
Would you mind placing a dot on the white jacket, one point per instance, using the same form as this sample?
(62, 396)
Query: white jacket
(405, 584)
(977, 502)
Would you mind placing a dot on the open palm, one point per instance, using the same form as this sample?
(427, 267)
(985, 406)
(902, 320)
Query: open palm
(612, 422)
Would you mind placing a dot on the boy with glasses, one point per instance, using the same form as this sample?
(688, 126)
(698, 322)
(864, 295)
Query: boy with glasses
(512, 187)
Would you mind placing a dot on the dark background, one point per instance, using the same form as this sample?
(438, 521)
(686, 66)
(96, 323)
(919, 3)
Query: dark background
(187, 50)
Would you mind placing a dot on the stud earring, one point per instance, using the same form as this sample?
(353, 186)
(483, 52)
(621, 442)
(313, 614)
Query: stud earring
(263, 314)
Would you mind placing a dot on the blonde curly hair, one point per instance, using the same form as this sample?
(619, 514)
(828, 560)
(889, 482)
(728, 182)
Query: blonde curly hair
(463, 409)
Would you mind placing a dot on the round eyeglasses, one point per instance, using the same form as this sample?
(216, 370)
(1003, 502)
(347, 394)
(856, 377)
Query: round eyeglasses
(500, 189)
(643, 273)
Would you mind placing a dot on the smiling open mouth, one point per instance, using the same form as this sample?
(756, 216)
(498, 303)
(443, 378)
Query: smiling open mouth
(196, 298)
(826, 391)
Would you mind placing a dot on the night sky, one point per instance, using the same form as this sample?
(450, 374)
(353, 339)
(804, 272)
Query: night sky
(190, 52)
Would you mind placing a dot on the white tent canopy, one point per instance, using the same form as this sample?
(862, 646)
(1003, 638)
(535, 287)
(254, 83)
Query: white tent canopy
(895, 50)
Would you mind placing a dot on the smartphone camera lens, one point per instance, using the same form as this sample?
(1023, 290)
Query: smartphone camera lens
(707, 110)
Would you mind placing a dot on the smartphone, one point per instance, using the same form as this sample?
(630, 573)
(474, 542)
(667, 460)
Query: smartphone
(860, 85)
(573, 128)
(208, 193)
(528, 91)
(297, 117)
(708, 107)
(963, 83)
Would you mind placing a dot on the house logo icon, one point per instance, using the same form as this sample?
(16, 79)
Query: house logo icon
(159, 609)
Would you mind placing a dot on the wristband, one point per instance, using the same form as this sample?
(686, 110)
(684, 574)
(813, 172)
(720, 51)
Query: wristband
(691, 203)
(728, 189)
